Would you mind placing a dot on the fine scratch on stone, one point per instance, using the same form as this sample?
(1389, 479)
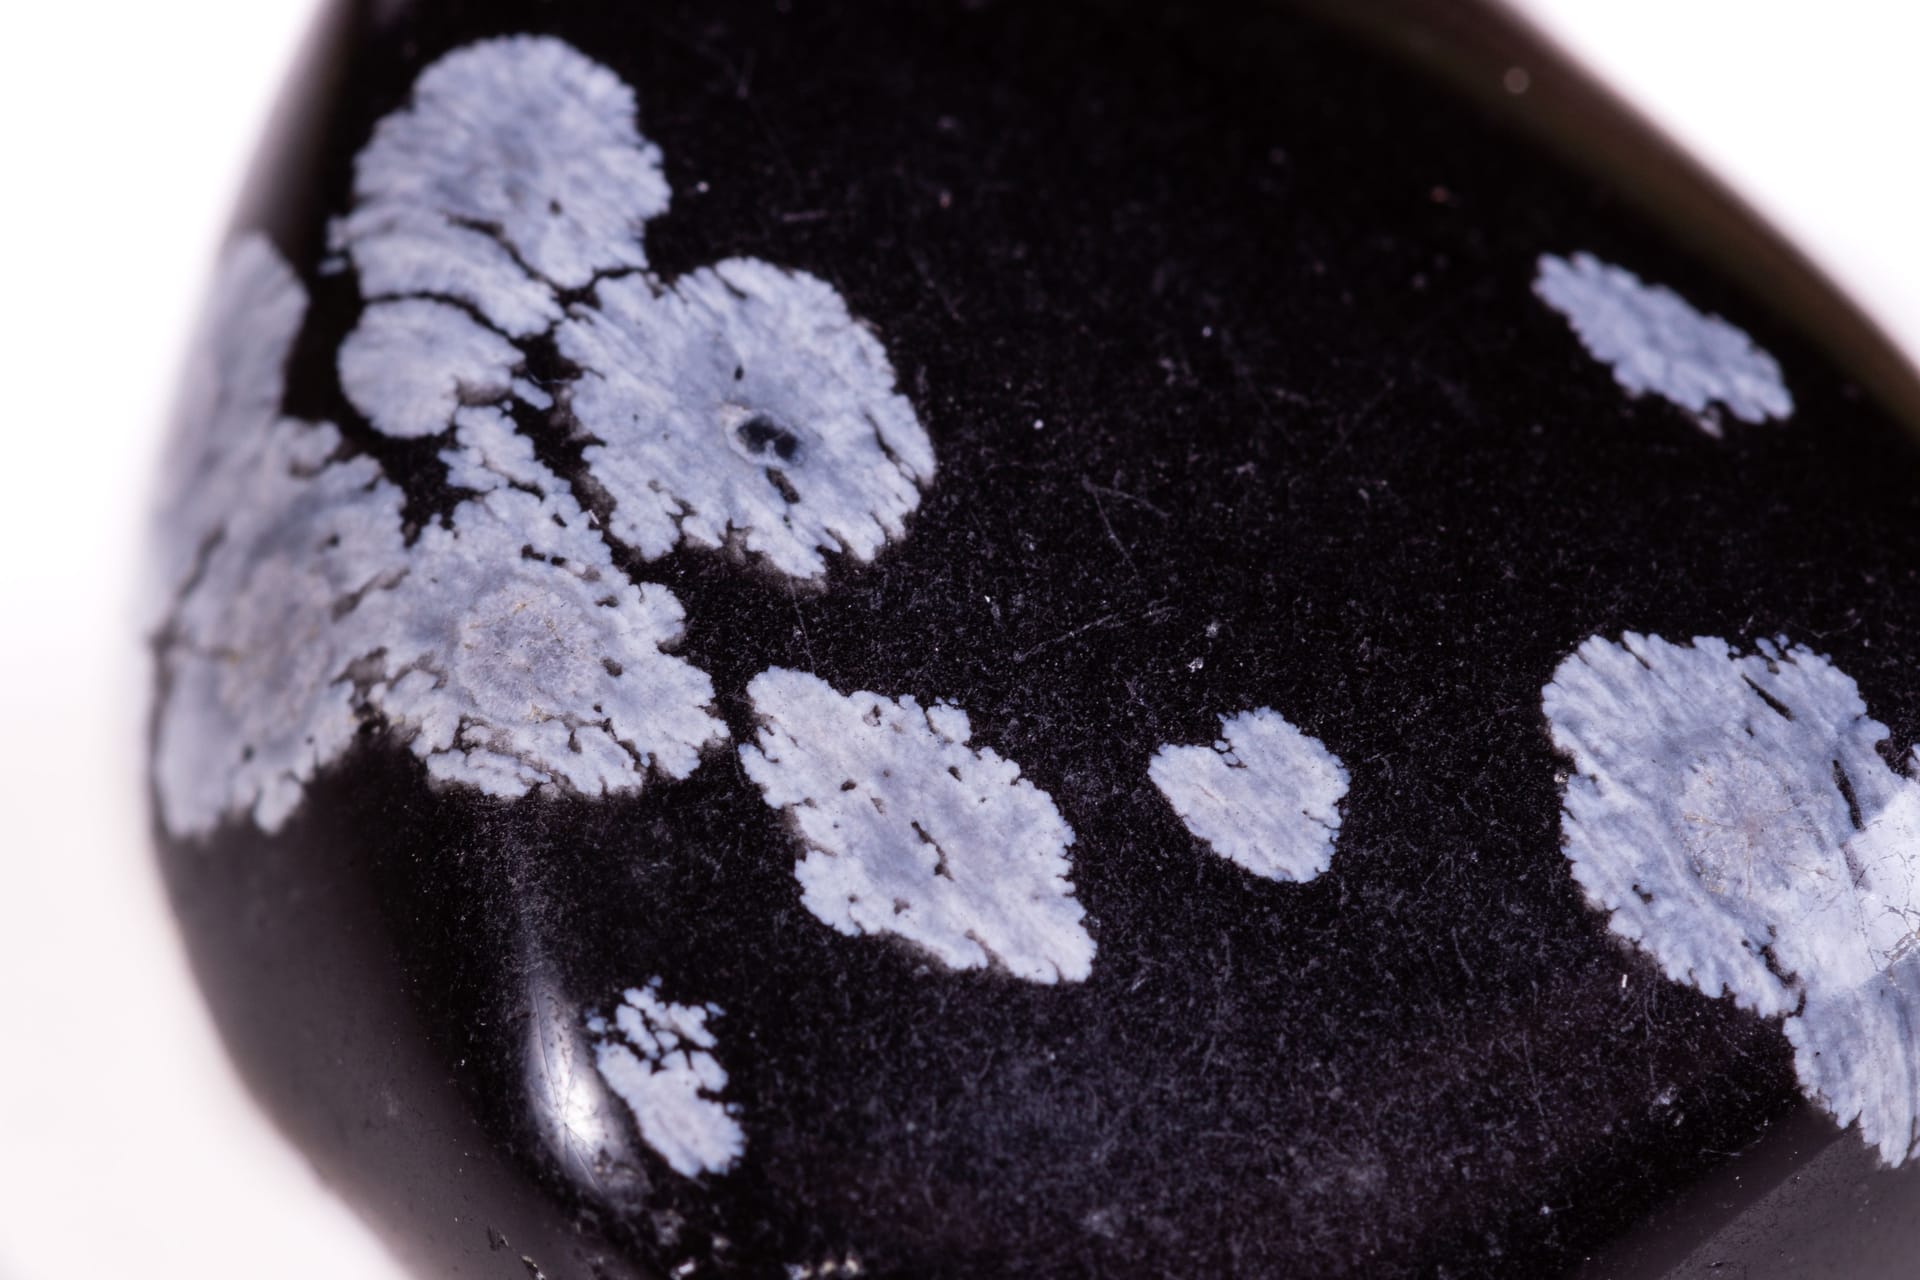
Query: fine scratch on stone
(1093, 491)
(1733, 815)
(1105, 619)
(658, 1057)
(1264, 796)
(1655, 342)
(910, 831)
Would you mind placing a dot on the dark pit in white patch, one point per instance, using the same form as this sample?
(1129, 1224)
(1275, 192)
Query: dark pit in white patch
(762, 436)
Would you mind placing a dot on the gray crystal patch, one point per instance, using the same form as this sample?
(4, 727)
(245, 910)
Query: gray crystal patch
(744, 401)
(909, 831)
(1264, 795)
(235, 379)
(1655, 342)
(517, 656)
(1732, 814)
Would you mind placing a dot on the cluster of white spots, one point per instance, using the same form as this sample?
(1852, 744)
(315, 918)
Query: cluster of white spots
(503, 646)
(848, 1266)
(744, 401)
(1265, 795)
(1733, 814)
(516, 170)
(1655, 342)
(911, 832)
(738, 404)
(659, 1058)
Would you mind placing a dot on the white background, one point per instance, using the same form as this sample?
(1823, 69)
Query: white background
(126, 1148)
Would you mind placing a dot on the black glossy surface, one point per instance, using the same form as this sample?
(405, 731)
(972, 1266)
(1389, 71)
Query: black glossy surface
(1269, 297)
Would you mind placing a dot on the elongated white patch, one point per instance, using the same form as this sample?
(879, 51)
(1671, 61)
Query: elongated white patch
(744, 400)
(740, 402)
(517, 168)
(911, 832)
(1265, 795)
(503, 647)
(1733, 815)
(1655, 342)
(658, 1057)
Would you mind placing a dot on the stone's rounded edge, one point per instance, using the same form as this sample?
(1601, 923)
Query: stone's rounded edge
(1806, 1199)
(323, 1018)
(515, 1180)
(1474, 45)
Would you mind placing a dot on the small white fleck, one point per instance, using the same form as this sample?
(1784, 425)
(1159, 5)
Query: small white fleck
(1265, 795)
(659, 1058)
(1516, 80)
(1655, 342)
(910, 831)
(532, 394)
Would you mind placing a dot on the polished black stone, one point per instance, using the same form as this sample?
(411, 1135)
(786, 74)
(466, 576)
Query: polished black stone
(1270, 295)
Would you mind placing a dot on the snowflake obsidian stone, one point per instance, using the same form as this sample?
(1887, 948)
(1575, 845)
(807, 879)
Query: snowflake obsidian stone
(960, 640)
